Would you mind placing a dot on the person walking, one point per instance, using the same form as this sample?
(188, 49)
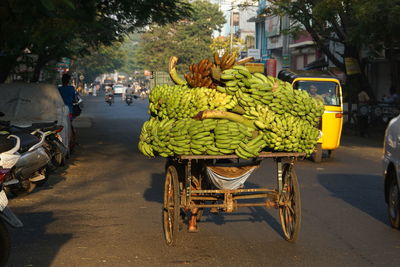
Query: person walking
(69, 95)
(363, 113)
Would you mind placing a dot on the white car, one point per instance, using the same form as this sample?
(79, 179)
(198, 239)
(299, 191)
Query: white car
(119, 89)
(391, 165)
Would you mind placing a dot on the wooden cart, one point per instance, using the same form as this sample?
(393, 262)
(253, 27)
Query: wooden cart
(187, 187)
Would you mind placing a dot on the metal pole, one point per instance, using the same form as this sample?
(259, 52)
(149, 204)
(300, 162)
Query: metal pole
(285, 41)
(231, 28)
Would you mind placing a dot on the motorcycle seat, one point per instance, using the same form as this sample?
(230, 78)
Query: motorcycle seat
(42, 125)
(6, 144)
(27, 141)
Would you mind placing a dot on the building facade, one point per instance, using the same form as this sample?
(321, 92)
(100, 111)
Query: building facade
(274, 43)
(237, 20)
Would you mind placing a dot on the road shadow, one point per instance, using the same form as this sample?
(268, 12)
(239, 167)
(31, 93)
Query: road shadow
(155, 193)
(32, 245)
(364, 192)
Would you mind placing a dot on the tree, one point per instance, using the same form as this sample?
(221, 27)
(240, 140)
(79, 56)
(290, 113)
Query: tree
(106, 59)
(221, 44)
(187, 39)
(50, 27)
(351, 23)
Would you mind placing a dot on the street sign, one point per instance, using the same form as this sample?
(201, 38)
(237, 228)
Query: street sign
(254, 53)
(286, 61)
(63, 64)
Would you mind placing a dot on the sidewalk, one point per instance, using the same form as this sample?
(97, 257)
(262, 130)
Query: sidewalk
(374, 139)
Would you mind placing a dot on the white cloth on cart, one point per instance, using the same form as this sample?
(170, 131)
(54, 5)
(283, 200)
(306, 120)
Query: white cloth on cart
(223, 182)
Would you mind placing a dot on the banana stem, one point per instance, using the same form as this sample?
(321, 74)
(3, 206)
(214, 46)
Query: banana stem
(173, 73)
(245, 60)
(219, 114)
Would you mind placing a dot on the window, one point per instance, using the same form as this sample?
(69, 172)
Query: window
(325, 91)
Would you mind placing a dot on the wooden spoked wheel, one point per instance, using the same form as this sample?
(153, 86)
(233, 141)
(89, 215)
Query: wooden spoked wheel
(290, 204)
(171, 209)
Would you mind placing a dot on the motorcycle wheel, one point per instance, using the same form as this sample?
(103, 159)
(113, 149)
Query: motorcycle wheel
(109, 103)
(5, 244)
(58, 158)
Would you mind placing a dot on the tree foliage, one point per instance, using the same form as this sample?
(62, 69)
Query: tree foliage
(187, 39)
(222, 44)
(106, 59)
(50, 28)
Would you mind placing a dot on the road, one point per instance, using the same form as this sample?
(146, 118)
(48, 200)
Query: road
(104, 209)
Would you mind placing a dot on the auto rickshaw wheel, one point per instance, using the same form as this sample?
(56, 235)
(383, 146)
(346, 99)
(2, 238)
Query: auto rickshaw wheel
(171, 207)
(290, 204)
(331, 153)
(317, 154)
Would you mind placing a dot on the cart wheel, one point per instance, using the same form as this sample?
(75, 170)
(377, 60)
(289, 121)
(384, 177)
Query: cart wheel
(317, 154)
(171, 210)
(290, 204)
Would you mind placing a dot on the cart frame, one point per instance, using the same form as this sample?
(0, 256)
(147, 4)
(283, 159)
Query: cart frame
(187, 188)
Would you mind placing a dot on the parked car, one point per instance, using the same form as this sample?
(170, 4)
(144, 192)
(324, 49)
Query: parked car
(119, 89)
(391, 161)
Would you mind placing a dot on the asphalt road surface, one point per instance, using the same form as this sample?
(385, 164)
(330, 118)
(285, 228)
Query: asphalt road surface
(104, 208)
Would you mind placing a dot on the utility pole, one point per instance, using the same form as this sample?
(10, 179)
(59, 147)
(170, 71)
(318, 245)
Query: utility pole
(285, 43)
(231, 28)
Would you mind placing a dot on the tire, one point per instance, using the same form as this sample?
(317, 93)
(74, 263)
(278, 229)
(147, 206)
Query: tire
(317, 154)
(5, 243)
(331, 154)
(58, 159)
(290, 204)
(171, 206)
(394, 203)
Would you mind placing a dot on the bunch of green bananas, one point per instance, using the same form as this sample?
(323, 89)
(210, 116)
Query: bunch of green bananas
(289, 133)
(256, 89)
(178, 102)
(283, 132)
(188, 136)
(251, 148)
(277, 117)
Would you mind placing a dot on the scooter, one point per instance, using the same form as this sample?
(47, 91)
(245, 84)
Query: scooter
(53, 143)
(109, 99)
(128, 99)
(6, 215)
(31, 168)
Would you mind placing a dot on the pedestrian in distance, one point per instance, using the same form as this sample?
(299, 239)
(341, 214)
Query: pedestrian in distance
(363, 113)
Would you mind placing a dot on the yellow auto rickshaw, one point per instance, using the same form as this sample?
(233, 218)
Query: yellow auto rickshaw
(324, 86)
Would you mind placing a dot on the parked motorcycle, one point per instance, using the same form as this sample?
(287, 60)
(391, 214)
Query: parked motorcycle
(31, 168)
(53, 143)
(6, 215)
